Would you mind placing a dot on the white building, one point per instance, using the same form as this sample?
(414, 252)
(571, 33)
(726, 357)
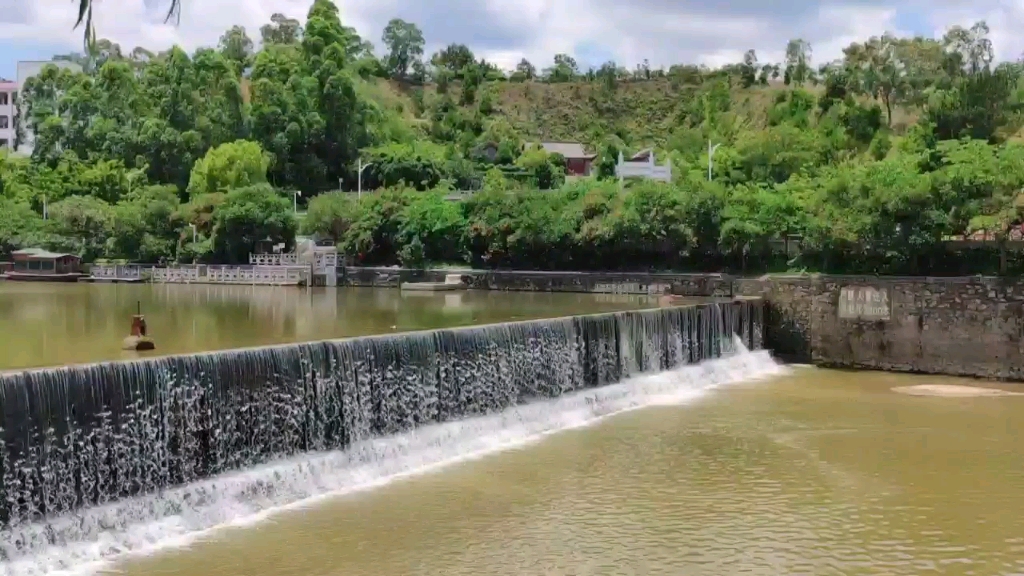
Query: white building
(8, 92)
(26, 70)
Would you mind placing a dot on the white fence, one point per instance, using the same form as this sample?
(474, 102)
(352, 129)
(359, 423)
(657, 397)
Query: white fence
(270, 275)
(321, 259)
(643, 169)
(290, 259)
(116, 272)
(263, 275)
(175, 275)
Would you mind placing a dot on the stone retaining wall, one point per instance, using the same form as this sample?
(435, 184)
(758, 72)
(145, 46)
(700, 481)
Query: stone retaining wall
(958, 326)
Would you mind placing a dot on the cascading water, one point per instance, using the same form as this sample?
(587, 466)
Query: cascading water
(91, 450)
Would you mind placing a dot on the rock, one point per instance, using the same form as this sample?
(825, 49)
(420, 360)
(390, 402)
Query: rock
(138, 343)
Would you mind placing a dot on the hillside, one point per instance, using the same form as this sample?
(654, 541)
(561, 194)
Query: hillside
(641, 113)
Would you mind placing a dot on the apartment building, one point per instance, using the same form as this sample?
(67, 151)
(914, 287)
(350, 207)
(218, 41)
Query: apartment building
(8, 93)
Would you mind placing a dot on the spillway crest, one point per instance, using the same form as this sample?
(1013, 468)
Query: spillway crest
(84, 436)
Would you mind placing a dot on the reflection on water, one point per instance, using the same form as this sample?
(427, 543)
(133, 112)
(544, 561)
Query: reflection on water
(818, 472)
(50, 324)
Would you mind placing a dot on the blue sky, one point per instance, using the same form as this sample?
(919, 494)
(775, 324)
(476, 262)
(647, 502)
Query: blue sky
(14, 51)
(913, 21)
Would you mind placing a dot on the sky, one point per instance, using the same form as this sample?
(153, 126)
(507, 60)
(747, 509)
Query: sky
(712, 32)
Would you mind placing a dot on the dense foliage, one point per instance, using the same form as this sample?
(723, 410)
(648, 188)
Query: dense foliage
(902, 157)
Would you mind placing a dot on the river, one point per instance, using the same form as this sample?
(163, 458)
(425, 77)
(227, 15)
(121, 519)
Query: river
(50, 324)
(734, 467)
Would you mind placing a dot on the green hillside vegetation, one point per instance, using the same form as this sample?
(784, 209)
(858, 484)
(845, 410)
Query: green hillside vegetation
(880, 162)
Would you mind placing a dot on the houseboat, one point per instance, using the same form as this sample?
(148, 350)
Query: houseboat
(38, 265)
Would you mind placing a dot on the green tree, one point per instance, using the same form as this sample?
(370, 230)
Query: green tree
(233, 165)
(247, 216)
(404, 42)
(453, 58)
(281, 30)
(798, 62)
(80, 225)
(237, 47)
(330, 215)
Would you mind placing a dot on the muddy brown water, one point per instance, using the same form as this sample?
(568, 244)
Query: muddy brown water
(814, 472)
(44, 324)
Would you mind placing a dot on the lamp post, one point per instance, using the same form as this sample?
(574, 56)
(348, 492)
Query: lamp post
(44, 206)
(295, 200)
(359, 178)
(711, 153)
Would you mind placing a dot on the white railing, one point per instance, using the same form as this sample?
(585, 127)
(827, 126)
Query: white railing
(321, 259)
(290, 259)
(270, 275)
(642, 169)
(116, 271)
(176, 275)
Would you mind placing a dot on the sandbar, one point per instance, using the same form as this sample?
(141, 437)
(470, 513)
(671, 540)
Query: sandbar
(952, 391)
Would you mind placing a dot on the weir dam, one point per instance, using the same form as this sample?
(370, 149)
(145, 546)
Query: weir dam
(80, 441)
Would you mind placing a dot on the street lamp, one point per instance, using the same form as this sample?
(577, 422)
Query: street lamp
(44, 206)
(359, 178)
(711, 153)
(295, 200)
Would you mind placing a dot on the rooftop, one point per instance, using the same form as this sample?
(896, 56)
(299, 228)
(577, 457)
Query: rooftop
(566, 149)
(40, 253)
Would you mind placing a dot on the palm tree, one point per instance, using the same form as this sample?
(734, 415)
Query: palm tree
(85, 18)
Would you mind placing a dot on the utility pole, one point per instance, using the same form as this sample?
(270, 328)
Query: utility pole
(711, 153)
(44, 206)
(359, 178)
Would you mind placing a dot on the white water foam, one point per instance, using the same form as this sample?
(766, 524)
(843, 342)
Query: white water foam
(92, 539)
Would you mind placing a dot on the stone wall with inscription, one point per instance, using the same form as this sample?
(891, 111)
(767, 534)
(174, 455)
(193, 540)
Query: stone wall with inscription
(958, 326)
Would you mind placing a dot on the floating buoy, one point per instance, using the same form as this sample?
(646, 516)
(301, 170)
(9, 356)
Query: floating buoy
(138, 340)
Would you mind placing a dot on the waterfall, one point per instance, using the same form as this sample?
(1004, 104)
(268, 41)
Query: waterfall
(87, 436)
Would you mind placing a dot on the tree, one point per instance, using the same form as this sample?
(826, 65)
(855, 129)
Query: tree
(20, 226)
(146, 225)
(749, 69)
(564, 69)
(453, 58)
(281, 30)
(404, 42)
(798, 61)
(233, 165)
(80, 225)
(880, 71)
(525, 70)
(330, 215)
(237, 47)
(249, 215)
(968, 50)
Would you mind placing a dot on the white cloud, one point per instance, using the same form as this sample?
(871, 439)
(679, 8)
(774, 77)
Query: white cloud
(664, 31)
